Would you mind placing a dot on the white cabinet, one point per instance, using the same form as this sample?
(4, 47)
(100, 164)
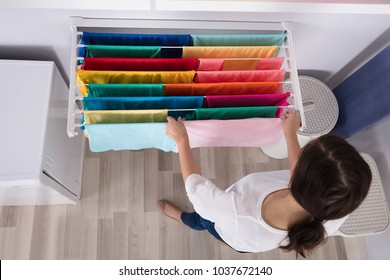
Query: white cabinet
(39, 163)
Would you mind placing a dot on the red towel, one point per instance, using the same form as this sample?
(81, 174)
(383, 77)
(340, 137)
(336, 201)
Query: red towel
(140, 64)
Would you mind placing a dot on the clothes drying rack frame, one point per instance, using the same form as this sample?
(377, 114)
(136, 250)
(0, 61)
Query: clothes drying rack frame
(80, 24)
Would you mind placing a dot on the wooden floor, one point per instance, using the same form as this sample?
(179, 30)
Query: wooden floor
(117, 217)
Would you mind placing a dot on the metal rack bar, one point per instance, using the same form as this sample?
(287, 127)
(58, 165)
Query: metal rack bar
(71, 124)
(298, 103)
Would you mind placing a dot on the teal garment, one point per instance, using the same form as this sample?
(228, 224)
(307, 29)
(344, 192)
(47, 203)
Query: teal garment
(239, 40)
(128, 136)
(134, 103)
(233, 113)
(123, 90)
(123, 51)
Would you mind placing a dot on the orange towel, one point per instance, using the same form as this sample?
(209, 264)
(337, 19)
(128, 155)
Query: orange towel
(230, 52)
(235, 64)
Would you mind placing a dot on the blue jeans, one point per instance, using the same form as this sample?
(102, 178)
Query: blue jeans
(196, 222)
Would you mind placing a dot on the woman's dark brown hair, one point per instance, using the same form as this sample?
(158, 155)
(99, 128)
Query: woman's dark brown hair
(330, 180)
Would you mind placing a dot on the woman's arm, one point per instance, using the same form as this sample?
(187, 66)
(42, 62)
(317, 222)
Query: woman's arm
(291, 123)
(177, 131)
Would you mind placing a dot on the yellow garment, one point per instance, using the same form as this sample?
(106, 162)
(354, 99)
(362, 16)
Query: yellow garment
(125, 116)
(230, 52)
(132, 77)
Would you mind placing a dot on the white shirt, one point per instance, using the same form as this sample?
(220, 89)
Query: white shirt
(236, 211)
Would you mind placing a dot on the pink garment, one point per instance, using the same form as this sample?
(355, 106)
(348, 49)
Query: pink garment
(216, 101)
(240, 76)
(211, 64)
(270, 63)
(253, 132)
(221, 64)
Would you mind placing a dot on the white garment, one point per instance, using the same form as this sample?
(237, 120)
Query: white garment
(235, 211)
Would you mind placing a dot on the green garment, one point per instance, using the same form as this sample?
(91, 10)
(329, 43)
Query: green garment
(125, 90)
(239, 40)
(123, 51)
(232, 113)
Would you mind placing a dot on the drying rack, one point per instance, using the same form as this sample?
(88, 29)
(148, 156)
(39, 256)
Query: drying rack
(136, 26)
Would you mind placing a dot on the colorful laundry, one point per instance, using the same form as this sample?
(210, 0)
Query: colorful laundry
(227, 88)
(211, 64)
(229, 52)
(220, 64)
(134, 77)
(140, 64)
(91, 38)
(120, 51)
(233, 113)
(217, 101)
(134, 103)
(123, 90)
(253, 132)
(240, 76)
(239, 40)
(131, 77)
(270, 63)
(240, 64)
(128, 136)
(233, 88)
(125, 116)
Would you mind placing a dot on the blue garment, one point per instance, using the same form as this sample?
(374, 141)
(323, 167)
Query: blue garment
(128, 136)
(363, 98)
(171, 52)
(134, 103)
(196, 222)
(91, 38)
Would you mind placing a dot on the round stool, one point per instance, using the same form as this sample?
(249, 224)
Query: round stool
(372, 216)
(321, 113)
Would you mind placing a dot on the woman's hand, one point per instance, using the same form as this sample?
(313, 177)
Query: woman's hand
(291, 122)
(176, 130)
(178, 133)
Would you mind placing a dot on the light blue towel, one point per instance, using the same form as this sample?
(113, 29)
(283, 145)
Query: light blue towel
(128, 136)
(239, 40)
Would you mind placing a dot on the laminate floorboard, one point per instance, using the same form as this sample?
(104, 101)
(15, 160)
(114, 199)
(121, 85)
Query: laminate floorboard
(117, 216)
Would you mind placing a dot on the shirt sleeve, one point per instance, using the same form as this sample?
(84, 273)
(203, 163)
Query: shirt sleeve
(209, 201)
(332, 226)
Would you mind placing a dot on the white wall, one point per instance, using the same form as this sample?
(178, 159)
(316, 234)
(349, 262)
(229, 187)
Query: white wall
(78, 4)
(328, 46)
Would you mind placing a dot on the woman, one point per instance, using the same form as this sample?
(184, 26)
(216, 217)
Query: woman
(266, 210)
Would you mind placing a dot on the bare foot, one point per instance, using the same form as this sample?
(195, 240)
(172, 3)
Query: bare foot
(170, 210)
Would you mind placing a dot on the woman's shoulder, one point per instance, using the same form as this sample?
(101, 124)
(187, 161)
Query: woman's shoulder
(263, 181)
(275, 175)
